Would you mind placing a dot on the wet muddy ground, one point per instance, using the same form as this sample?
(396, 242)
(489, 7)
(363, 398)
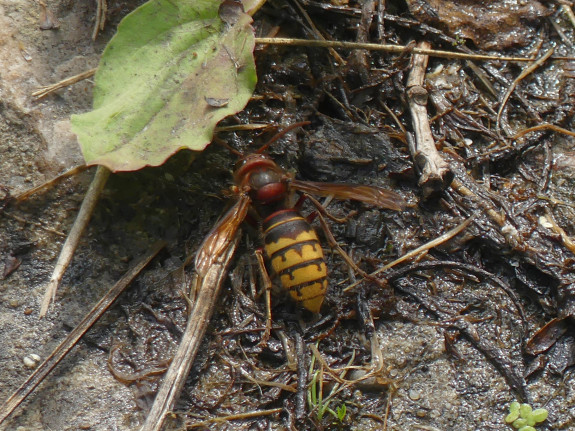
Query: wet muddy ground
(448, 330)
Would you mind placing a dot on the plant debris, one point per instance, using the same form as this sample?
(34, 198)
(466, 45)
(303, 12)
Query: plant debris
(450, 335)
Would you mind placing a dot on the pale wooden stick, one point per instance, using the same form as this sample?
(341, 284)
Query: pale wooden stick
(71, 243)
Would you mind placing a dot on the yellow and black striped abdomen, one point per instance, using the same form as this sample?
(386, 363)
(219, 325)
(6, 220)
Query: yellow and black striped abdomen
(296, 258)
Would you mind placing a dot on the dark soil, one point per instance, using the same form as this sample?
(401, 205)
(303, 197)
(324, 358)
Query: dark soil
(448, 340)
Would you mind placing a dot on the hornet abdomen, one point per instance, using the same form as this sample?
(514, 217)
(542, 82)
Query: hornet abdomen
(295, 256)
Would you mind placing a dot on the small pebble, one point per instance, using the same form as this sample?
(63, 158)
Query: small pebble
(414, 394)
(543, 221)
(31, 361)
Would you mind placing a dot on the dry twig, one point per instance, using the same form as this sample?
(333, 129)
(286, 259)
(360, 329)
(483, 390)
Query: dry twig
(239, 416)
(100, 18)
(397, 49)
(44, 91)
(523, 74)
(73, 337)
(69, 247)
(70, 172)
(420, 250)
(435, 174)
(208, 286)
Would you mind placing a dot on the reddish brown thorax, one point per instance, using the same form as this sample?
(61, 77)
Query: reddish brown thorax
(265, 181)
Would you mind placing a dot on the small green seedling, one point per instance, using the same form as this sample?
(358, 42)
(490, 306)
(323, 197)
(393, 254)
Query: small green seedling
(341, 411)
(523, 418)
(315, 396)
(318, 403)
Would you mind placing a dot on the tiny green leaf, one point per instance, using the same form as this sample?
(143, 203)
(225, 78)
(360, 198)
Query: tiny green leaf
(512, 417)
(525, 410)
(514, 406)
(172, 71)
(313, 390)
(321, 409)
(539, 415)
(520, 423)
(341, 411)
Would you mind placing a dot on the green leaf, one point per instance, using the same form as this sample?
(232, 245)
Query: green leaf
(341, 411)
(514, 406)
(172, 71)
(511, 417)
(539, 415)
(525, 410)
(312, 392)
